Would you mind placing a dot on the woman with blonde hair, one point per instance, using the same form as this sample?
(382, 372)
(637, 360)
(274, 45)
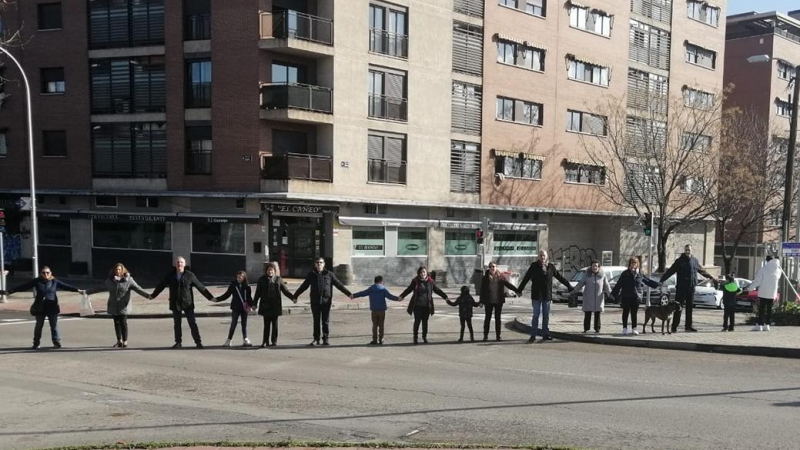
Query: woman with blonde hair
(241, 305)
(119, 285)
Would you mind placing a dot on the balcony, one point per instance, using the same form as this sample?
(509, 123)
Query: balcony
(297, 34)
(388, 43)
(197, 27)
(297, 103)
(296, 166)
(388, 108)
(472, 8)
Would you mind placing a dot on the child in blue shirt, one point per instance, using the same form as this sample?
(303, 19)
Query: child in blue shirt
(377, 304)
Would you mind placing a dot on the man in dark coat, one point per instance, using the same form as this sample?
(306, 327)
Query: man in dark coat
(541, 274)
(686, 267)
(321, 282)
(181, 299)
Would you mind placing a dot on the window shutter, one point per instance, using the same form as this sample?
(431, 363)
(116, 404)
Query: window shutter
(375, 147)
(394, 150)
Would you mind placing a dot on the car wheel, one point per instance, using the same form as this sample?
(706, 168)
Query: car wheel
(664, 299)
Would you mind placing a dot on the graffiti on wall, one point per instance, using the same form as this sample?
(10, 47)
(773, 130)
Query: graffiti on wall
(573, 258)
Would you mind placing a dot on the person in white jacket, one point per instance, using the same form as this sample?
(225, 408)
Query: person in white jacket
(767, 284)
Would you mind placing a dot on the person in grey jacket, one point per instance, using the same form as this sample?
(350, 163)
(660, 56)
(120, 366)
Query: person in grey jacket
(119, 285)
(595, 288)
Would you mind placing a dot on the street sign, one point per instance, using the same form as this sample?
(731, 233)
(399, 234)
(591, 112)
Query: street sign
(23, 203)
(790, 249)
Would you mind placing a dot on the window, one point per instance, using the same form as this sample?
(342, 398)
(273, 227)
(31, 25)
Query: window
(132, 235)
(594, 21)
(54, 143)
(701, 56)
(703, 12)
(509, 3)
(584, 173)
(466, 116)
(129, 150)
(695, 142)
(54, 232)
(125, 23)
(519, 111)
(465, 167)
(785, 70)
(375, 210)
(588, 72)
(647, 91)
(147, 202)
(460, 243)
(467, 48)
(196, 20)
(240, 203)
(649, 45)
(3, 145)
(783, 107)
(368, 241)
(105, 201)
(285, 73)
(520, 165)
(128, 85)
(49, 16)
(582, 122)
(412, 242)
(53, 80)
(388, 32)
(198, 84)
(642, 184)
(225, 238)
(198, 150)
(694, 186)
(536, 7)
(698, 99)
(775, 217)
(645, 138)
(386, 158)
(519, 55)
(387, 95)
(515, 243)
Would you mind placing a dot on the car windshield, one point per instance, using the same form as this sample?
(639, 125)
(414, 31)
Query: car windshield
(579, 276)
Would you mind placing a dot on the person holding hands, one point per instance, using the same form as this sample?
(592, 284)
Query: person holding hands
(119, 285)
(321, 282)
(422, 288)
(377, 305)
(270, 303)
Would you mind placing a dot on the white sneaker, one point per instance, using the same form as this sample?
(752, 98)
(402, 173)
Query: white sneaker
(634, 332)
(624, 331)
(766, 327)
(227, 343)
(247, 343)
(757, 328)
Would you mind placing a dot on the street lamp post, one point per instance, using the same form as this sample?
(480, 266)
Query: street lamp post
(34, 220)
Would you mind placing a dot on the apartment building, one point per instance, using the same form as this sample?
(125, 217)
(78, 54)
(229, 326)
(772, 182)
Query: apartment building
(763, 88)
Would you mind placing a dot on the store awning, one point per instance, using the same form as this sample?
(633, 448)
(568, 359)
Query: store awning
(578, 162)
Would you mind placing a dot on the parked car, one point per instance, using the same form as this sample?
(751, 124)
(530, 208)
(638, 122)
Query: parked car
(611, 272)
(706, 294)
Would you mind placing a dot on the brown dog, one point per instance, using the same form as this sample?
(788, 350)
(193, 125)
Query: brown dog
(663, 312)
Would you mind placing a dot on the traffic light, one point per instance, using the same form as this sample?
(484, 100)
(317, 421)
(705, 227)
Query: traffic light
(647, 221)
(2, 218)
(479, 236)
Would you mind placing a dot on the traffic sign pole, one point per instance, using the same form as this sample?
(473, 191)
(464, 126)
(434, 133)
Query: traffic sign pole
(2, 269)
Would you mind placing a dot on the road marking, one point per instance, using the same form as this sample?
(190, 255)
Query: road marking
(28, 321)
(13, 320)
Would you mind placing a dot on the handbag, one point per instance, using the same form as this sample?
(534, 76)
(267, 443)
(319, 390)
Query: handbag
(37, 308)
(86, 307)
(245, 305)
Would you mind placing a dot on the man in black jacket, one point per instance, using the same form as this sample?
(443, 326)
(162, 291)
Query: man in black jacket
(686, 267)
(321, 282)
(541, 274)
(180, 283)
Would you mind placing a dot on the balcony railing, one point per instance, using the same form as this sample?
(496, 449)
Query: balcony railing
(296, 25)
(383, 171)
(469, 7)
(649, 56)
(388, 43)
(392, 108)
(296, 166)
(656, 10)
(198, 95)
(197, 27)
(297, 96)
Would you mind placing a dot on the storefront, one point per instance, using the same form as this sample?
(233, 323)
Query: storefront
(297, 234)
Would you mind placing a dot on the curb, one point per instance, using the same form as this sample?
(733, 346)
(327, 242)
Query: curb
(223, 313)
(668, 345)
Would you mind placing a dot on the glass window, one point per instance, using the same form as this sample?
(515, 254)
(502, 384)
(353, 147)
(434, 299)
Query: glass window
(198, 84)
(460, 243)
(369, 241)
(49, 16)
(131, 235)
(54, 143)
(515, 243)
(283, 73)
(536, 7)
(199, 146)
(52, 80)
(54, 232)
(412, 241)
(218, 238)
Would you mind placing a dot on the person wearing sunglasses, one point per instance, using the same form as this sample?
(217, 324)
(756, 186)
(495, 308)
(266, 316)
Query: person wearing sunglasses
(45, 303)
(493, 296)
(321, 282)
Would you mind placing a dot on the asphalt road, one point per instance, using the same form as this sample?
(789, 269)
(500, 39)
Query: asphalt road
(555, 393)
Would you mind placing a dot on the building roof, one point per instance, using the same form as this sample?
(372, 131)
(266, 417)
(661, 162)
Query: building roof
(758, 24)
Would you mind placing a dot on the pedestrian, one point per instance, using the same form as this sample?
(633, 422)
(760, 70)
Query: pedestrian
(729, 292)
(241, 304)
(541, 274)
(180, 282)
(321, 282)
(270, 303)
(628, 291)
(595, 288)
(377, 294)
(766, 283)
(465, 303)
(686, 267)
(492, 296)
(119, 285)
(421, 289)
(45, 303)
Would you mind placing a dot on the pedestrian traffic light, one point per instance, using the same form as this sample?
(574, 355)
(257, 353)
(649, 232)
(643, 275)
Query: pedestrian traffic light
(648, 220)
(479, 236)
(2, 218)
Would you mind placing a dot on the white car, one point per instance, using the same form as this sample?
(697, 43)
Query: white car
(706, 295)
(611, 272)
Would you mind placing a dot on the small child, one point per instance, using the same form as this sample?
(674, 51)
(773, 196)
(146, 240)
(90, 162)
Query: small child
(465, 302)
(729, 292)
(377, 304)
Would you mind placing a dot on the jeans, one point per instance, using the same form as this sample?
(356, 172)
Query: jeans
(52, 318)
(235, 315)
(631, 308)
(728, 317)
(498, 310)
(467, 321)
(421, 315)
(686, 298)
(587, 320)
(190, 318)
(764, 311)
(121, 327)
(270, 328)
(321, 314)
(378, 319)
(540, 307)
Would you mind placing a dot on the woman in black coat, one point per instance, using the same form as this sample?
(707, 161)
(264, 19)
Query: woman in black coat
(628, 291)
(270, 303)
(241, 305)
(421, 304)
(45, 303)
(493, 296)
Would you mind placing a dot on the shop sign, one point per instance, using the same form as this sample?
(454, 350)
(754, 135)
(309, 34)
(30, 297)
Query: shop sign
(459, 225)
(143, 218)
(301, 209)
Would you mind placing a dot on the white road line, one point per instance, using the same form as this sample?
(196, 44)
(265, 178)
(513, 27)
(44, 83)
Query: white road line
(29, 321)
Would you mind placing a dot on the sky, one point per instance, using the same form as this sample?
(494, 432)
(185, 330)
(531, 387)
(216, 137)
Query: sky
(740, 6)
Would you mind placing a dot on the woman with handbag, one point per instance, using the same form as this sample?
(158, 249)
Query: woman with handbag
(270, 303)
(493, 296)
(45, 303)
(421, 289)
(119, 285)
(241, 305)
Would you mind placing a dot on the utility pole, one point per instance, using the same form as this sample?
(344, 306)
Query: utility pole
(788, 188)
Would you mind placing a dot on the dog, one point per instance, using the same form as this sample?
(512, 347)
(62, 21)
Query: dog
(663, 312)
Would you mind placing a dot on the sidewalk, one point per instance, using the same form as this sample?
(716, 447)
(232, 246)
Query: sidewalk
(567, 324)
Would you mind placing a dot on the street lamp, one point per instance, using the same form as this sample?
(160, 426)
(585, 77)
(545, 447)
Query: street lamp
(34, 220)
